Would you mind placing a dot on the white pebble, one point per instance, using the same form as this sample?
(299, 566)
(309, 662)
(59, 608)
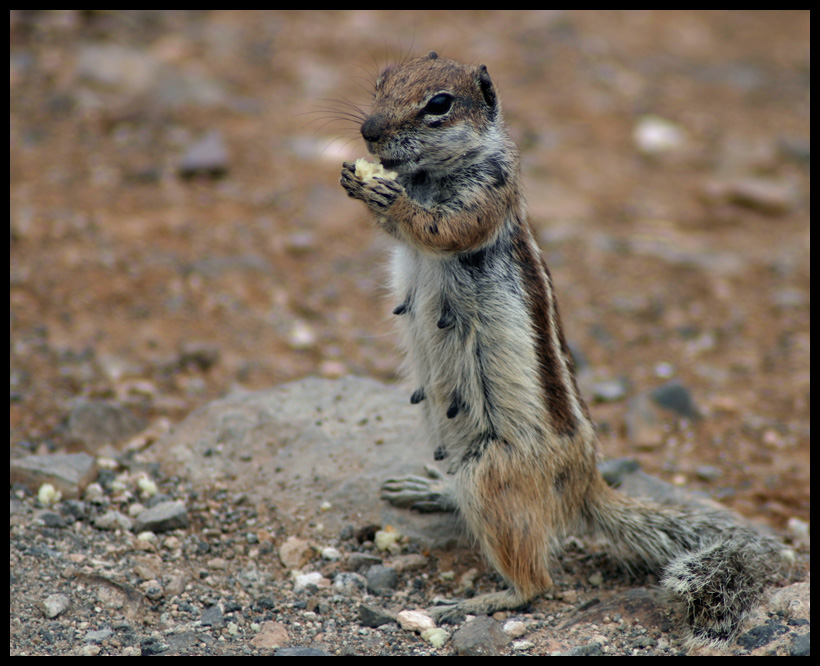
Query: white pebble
(302, 336)
(515, 628)
(435, 636)
(135, 509)
(654, 135)
(798, 527)
(48, 495)
(301, 581)
(331, 554)
(387, 539)
(94, 493)
(54, 604)
(415, 620)
(147, 487)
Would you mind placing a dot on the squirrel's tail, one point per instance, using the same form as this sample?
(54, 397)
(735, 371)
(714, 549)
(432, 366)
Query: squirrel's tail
(717, 567)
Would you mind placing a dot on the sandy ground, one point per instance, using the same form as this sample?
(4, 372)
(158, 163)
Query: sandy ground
(177, 228)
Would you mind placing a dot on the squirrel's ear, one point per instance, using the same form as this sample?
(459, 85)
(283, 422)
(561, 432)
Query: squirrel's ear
(487, 88)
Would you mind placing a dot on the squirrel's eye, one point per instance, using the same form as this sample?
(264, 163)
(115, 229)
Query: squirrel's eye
(439, 105)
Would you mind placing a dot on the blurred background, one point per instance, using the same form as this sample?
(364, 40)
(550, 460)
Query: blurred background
(177, 228)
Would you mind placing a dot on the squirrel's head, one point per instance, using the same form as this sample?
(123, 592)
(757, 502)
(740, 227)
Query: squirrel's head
(429, 111)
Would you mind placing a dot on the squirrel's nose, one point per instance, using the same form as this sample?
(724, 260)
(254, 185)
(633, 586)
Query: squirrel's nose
(372, 128)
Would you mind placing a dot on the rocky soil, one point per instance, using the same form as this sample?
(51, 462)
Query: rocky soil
(181, 251)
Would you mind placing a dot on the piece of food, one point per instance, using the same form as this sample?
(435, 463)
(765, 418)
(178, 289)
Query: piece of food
(369, 170)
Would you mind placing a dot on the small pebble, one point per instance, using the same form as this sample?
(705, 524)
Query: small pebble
(514, 628)
(654, 135)
(54, 604)
(436, 636)
(387, 539)
(147, 487)
(798, 527)
(48, 495)
(301, 336)
(295, 552)
(302, 581)
(207, 156)
(415, 620)
(113, 520)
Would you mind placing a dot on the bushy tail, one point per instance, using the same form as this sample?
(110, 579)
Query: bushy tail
(723, 580)
(717, 567)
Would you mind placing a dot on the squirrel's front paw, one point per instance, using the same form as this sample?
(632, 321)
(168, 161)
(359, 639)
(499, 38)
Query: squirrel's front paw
(353, 186)
(382, 193)
(378, 193)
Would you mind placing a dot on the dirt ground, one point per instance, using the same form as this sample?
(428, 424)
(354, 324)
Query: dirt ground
(665, 157)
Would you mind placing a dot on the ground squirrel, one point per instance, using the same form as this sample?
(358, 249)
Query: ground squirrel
(494, 374)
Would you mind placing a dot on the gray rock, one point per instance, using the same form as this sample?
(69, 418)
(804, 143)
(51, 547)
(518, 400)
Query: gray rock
(176, 642)
(212, 617)
(762, 634)
(74, 509)
(113, 520)
(199, 355)
(207, 156)
(153, 645)
(98, 636)
(99, 423)
(676, 398)
(300, 652)
(54, 604)
(615, 470)
(49, 519)
(381, 579)
(589, 650)
(650, 413)
(801, 646)
(309, 442)
(374, 616)
(645, 423)
(626, 475)
(797, 148)
(482, 637)
(163, 517)
(765, 195)
(708, 472)
(349, 584)
(644, 641)
(358, 561)
(69, 473)
(610, 390)
(320, 440)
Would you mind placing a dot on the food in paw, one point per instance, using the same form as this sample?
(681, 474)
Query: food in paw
(369, 170)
